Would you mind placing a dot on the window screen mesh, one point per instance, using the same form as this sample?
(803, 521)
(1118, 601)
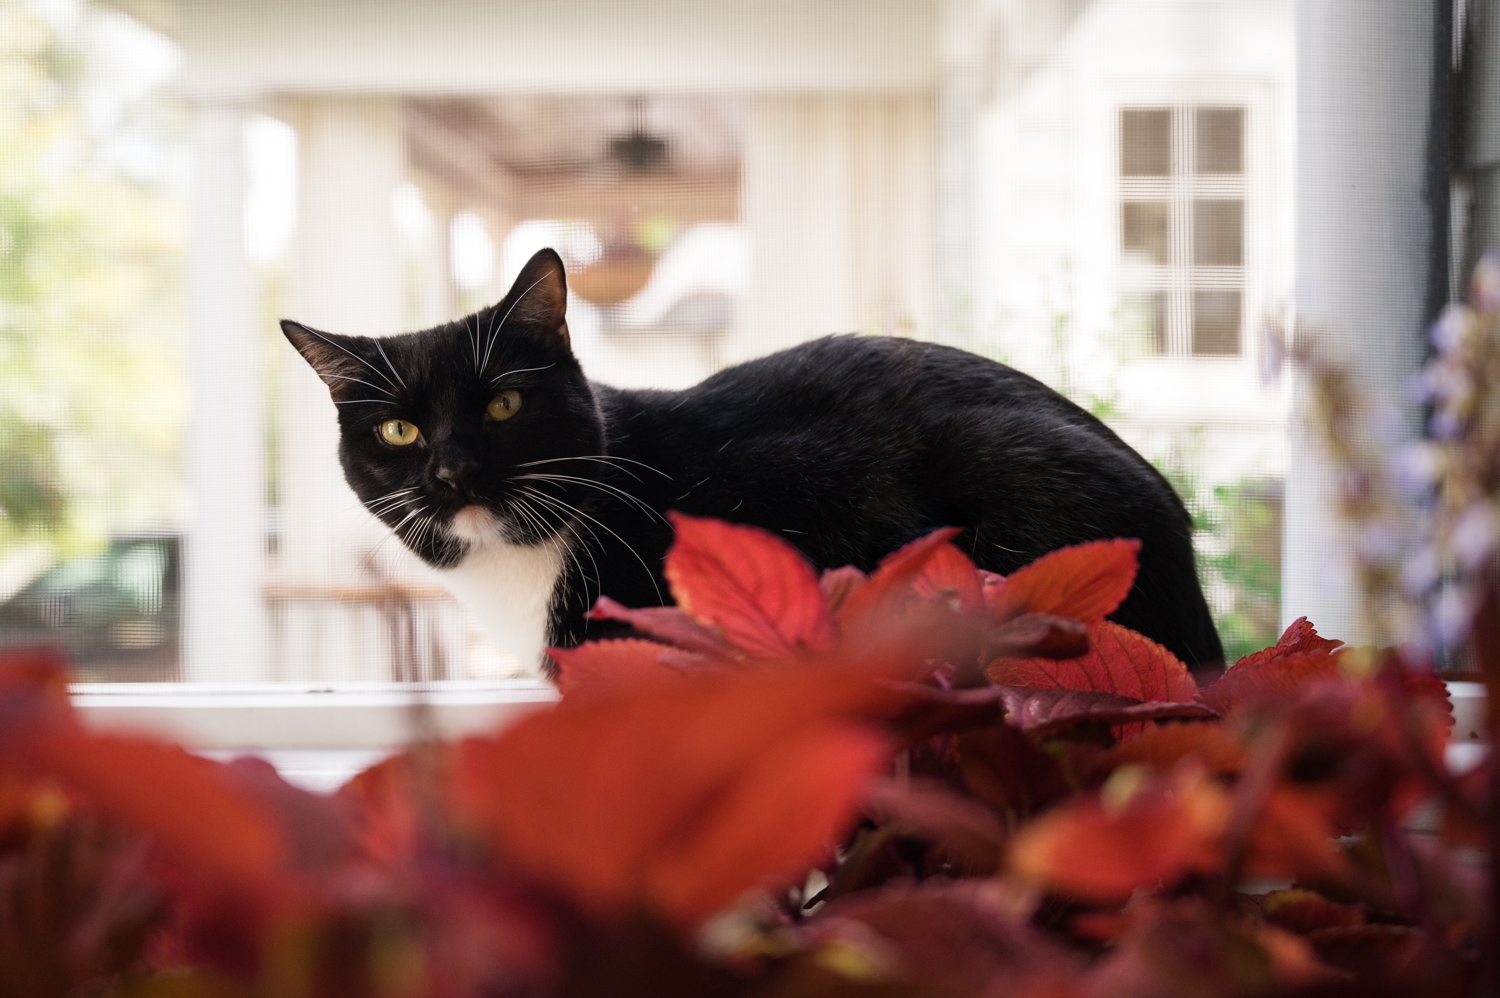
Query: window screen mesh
(1092, 193)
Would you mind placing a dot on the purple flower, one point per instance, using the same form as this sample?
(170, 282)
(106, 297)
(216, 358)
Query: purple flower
(1475, 534)
(1484, 286)
(1448, 332)
(1416, 467)
(1452, 613)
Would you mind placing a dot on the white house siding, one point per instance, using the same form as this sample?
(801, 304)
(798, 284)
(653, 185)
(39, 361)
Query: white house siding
(1049, 242)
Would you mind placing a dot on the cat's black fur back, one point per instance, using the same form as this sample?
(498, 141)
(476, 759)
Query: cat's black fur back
(848, 447)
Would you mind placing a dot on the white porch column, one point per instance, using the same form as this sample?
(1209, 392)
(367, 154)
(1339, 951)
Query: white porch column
(224, 624)
(439, 292)
(838, 194)
(961, 38)
(347, 278)
(1363, 231)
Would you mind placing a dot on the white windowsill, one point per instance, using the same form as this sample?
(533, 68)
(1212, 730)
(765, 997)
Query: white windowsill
(261, 717)
(317, 736)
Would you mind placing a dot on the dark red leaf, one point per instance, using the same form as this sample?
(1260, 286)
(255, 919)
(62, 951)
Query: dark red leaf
(666, 623)
(1369, 952)
(967, 833)
(933, 711)
(947, 939)
(1275, 680)
(387, 804)
(1304, 911)
(313, 826)
(1085, 582)
(1041, 713)
(749, 585)
(1299, 638)
(1002, 767)
(1119, 661)
(1294, 836)
(1164, 746)
(1038, 635)
(33, 687)
(1186, 948)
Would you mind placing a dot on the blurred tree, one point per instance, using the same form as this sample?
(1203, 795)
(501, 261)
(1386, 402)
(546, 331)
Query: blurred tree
(92, 391)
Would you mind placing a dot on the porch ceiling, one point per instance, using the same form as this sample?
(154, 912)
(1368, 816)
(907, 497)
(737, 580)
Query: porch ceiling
(556, 157)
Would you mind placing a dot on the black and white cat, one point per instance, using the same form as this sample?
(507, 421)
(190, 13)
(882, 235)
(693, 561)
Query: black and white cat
(532, 490)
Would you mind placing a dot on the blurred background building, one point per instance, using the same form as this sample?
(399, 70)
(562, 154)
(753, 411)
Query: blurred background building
(1118, 196)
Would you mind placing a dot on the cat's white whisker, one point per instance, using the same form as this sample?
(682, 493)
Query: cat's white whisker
(490, 345)
(383, 356)
(536, 516)
(342, 377)
(574, 509)
(351, 353)
(601, 486)
(605, 459)
(521, 370)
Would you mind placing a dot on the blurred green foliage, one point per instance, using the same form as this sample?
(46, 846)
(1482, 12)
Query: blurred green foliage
(92, 391)
(1237, 533)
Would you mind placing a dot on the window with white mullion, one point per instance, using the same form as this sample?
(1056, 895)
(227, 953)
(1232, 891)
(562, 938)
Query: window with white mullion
(1182, 225)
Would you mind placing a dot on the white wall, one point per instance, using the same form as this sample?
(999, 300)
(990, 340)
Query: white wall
(1048, 239)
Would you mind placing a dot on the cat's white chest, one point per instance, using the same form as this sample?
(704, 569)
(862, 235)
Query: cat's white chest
(508, 588)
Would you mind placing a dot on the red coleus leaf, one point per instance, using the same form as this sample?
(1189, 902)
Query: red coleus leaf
(1041, 713)
(1294, 835)
(1270, 680)
(189, 805)
(750, 586)
(681, 798)
(1118, 661)
(947, 938)
(1164, 746)
(968, 833)
(947, 574)
(838, 583)
(667, 623)
(33, 687)
(1002, 767)
(1085, 582)
(1101, 849)
(1299, 638)
(606, 667)
(811, 781)
(392, 804)
(1037, 635)
(892, 587)
(1304, 911)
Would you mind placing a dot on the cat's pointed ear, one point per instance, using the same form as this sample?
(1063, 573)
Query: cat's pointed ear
(335, 358)
(540, 294)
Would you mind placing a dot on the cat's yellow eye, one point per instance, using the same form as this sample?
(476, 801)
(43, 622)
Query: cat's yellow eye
(399, 432)
(504, 405)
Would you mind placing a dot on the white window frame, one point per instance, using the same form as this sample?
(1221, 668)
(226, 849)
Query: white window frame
(1260, 184)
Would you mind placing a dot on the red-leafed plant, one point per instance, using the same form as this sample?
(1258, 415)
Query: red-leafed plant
(930, 781)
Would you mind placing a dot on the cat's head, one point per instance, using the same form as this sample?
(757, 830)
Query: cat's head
(443, 430)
